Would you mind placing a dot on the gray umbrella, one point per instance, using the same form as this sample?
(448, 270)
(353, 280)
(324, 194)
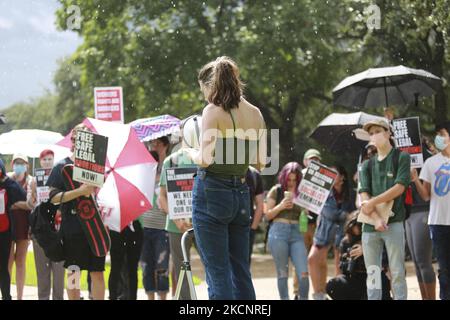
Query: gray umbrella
(337, 132)
(376, 87)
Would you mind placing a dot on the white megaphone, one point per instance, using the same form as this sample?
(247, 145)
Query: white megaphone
(191, 128)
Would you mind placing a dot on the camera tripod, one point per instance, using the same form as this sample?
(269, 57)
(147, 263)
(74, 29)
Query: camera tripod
(185, 269)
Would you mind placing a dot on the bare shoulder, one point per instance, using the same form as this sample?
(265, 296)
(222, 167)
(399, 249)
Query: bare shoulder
(254, 113)
(212, 111)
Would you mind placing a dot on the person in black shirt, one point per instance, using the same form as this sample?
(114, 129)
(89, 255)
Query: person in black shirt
(78, 255)
(10, 193)
(351, 284)
(256, 190)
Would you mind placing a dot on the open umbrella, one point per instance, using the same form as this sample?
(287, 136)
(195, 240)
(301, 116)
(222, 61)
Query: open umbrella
(376, 87)
(130, 174)
(31, 142)
(153, 128)
(338, 132)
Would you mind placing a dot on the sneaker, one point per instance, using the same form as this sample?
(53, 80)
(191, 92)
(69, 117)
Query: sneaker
(319, 296)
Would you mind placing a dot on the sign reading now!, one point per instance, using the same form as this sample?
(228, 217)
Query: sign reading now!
(90, 158)
(109, 104)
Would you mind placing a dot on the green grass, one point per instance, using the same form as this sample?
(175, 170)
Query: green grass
(31, 277)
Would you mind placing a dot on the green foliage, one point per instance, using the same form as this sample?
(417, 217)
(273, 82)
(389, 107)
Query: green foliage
(291, 54)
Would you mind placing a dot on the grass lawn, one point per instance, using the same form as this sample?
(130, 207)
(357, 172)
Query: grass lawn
(31, 277)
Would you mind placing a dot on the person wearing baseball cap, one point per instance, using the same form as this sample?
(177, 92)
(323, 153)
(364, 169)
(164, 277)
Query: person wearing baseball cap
(311, 155)
(20, 211)
(384, 178)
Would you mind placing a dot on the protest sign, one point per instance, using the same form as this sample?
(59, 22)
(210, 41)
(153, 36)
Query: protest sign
(315, 187)
(42, 191)
(109, 104)
(90, 158)
(407, 139)
(179, 192)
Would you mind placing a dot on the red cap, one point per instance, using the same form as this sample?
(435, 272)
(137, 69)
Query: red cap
(46, 152)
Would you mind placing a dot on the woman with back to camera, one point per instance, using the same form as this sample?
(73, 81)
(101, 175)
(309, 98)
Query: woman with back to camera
(232, 138)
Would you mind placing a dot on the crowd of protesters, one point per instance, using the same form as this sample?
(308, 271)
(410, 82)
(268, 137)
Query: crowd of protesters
(229, 204)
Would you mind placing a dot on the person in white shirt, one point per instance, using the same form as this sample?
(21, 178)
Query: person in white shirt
(434, 185)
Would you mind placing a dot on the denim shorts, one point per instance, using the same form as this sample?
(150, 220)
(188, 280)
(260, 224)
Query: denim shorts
(155, 260)
(327, 232)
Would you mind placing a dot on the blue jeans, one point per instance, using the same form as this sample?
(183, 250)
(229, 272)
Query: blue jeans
(440, 236)
(221, 220)
(286, 241)
(155, 260)
(394, 240)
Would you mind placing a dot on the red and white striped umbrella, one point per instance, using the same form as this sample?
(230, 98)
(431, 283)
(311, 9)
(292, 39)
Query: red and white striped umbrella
(130, 174)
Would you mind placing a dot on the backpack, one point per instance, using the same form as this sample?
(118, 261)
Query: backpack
(408, 199)
(42, 224)
(277, 201)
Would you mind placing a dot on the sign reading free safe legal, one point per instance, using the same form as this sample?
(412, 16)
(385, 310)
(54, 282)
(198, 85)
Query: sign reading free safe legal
(407, 139)
(90, 158)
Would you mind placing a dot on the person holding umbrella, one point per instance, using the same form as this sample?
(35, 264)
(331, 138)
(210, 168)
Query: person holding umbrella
(76, 247)
(384, 178)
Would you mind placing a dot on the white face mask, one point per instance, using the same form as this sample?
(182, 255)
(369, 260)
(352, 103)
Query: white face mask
(440, 144)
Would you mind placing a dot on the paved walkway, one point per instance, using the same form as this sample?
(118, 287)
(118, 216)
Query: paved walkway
(264, 280)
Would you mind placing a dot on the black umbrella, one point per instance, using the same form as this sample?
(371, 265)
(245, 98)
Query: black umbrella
(338, 131)
(385, 86)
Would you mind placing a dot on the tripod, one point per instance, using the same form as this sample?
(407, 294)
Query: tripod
(185, 269)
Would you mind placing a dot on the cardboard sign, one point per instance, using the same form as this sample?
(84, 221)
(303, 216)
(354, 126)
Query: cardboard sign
(109, 104)
(315, 187)
(42, 191)
(407, 139)
(179, 192)
(90, 158)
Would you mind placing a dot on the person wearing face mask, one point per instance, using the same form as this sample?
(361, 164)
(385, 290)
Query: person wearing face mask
(10, 194)
(45, 268)
(387, 180)
(20, 211)
(434, 185)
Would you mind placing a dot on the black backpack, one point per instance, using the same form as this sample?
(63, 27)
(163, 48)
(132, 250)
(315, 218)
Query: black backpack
(42, 223)
(395, 165)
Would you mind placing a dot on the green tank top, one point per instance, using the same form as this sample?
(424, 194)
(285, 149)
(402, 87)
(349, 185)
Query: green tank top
(232, 155)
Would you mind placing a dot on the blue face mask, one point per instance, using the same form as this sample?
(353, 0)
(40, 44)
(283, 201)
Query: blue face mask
(19, 169)
(439, 142)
